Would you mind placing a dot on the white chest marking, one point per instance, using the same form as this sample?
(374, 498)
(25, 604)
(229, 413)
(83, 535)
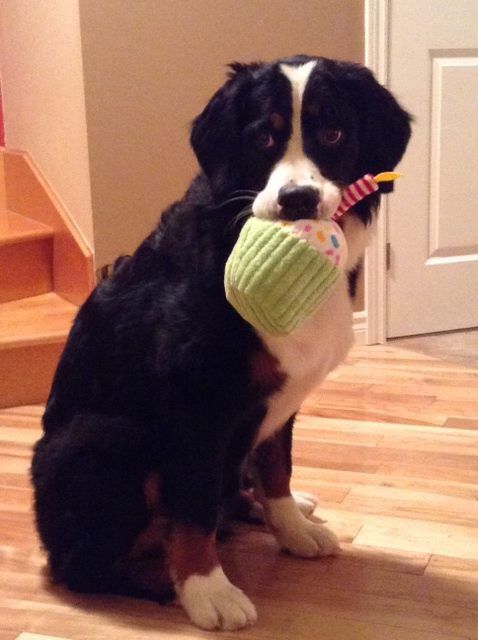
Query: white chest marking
(322, 342)
(307, 355)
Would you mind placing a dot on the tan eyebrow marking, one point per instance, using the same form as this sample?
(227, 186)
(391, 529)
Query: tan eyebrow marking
(312, 109)
(277, 121)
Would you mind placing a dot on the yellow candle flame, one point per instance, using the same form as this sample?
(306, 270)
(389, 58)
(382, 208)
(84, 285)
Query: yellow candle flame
(387, 176)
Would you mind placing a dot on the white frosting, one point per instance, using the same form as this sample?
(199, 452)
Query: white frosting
(324, 236)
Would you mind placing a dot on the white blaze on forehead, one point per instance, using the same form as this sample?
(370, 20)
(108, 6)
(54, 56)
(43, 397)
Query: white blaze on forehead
(294, 166)
(298, 78)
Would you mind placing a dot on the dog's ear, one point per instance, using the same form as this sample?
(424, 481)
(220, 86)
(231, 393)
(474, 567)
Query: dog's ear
(215, 134)
(384, 125)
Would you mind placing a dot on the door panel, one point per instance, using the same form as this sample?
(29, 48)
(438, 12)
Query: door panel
(433, 222)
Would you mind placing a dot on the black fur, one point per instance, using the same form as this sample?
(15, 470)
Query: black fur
(353, 276)
(156, 373)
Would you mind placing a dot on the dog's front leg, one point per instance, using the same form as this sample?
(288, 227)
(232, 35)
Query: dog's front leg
(294, 532)
(208, 597)
(192, 499)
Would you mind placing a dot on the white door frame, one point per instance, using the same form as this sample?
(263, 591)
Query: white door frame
(377, 29)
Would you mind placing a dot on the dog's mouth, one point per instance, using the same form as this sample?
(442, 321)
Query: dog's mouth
(298, 202)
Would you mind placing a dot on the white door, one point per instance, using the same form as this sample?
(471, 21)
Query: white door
(432, 283)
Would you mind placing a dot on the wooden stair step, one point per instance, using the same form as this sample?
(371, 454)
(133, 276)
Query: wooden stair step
(46, 271)
(32, 336)
(16, 228)
(42, 319)
(26, 257)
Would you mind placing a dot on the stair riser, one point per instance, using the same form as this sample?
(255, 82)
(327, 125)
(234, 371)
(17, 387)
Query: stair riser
(27, 373)
(26, 269)
(28, 194)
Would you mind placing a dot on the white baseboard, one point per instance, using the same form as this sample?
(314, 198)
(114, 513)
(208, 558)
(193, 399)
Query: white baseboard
(360, 327)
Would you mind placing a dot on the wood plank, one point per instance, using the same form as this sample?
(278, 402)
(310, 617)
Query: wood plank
(413, 504)
(41, 319)
(36, 636)
(370, 458)
(461, 423)
(25, 413)
(341, 479)
(405, 534)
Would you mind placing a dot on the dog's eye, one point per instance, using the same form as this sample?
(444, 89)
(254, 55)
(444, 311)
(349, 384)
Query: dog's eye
(330, 137)
(265, 140)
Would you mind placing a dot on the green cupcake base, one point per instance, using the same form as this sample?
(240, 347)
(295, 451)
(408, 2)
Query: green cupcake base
(274, 279)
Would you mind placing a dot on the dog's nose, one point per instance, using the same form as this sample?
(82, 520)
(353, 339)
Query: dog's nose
(297, 202)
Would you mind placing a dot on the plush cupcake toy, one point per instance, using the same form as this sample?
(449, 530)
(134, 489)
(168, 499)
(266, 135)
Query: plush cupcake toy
(279, 273)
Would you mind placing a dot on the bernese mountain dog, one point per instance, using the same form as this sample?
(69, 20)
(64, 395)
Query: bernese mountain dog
(168, 412)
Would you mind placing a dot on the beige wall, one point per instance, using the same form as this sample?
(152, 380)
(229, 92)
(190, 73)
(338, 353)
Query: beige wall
(43, 94)
(145, 69)
(151, 65)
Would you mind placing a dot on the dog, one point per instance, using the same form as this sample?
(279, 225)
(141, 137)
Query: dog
(168, 411)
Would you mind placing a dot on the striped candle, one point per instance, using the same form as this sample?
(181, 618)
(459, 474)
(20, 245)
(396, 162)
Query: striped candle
(362, 188)
(355, 192)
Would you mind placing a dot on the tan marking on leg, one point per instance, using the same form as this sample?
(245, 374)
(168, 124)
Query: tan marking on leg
(191, 551)
(152, 492)
(265, 371)
(272, 460)
(152, 538)
(145, 567)
(249, 509)
(149, 574)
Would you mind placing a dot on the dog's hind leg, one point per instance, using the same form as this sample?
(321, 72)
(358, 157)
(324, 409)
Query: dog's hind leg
(145, 567)
(90, 504)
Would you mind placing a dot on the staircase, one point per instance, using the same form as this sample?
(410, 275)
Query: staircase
(46, 271)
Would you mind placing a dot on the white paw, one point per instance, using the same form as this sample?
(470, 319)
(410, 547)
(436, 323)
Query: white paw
(298, 535)
(308, 539)
(212, 602)
(306, 502)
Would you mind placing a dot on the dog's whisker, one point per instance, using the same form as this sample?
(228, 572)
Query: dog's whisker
(245, 213)
(236, 199)
(249, 191)
(244, 197)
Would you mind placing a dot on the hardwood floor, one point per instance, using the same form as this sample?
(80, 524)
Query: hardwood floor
(390, 446)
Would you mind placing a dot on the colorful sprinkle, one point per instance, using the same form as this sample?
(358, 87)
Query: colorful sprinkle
(320, 236)
(335, 242)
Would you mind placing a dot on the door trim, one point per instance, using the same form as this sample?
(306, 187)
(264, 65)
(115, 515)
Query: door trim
(377, 30)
